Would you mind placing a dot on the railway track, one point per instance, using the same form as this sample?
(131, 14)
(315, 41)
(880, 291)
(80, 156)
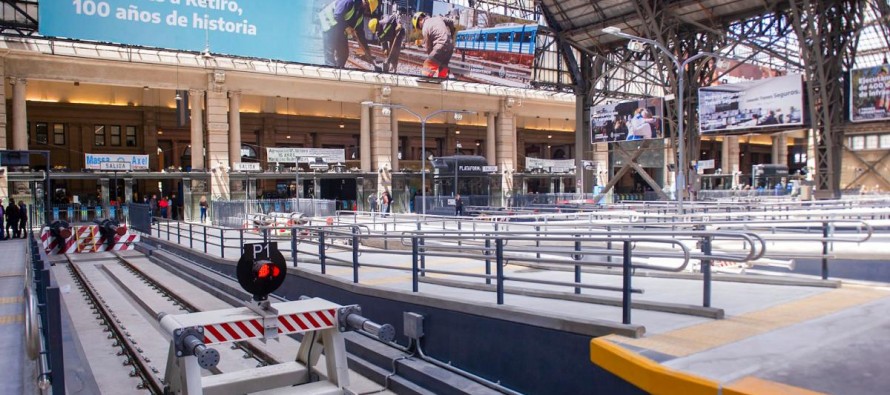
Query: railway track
(127, 297)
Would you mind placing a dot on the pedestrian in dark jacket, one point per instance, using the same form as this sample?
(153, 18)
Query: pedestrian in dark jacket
(2, 228)
(23, 218)
(12, 219)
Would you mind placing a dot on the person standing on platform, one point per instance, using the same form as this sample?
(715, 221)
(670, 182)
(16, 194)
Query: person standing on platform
(153, 205)
(458, 206)
(335, 19)
(3, 235)
(23, 218)
(372, 202)
(203, 204)
(390, 34)
(164, 204)
(385, 202)
(12, 220)
(438, 40)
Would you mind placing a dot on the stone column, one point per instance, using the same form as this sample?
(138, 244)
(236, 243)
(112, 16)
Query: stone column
(196, 98)
(3, 134)
(490, 140)
(780, 149)
(394, 156)
(218, 142)
(365, 139)
(506, 147)
(730, 154)
(234, 127)
(20, 114)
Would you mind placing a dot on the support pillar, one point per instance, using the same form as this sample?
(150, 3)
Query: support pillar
(394, 156)
(506, 147)
(730, 155)
(382, 149)
(20, 114)
(128, 190)
(218, 142)
(196, 98)
(780, 149)
(105, 196)
(365, 139)
(490, 139)
(234, 127)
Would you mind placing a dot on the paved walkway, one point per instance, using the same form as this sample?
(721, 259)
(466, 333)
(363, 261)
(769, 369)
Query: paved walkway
(12, 326)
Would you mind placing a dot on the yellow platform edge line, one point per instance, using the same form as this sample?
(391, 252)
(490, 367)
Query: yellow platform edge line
(11, 300)
(646, 374)
(11, 319)
(752, 385)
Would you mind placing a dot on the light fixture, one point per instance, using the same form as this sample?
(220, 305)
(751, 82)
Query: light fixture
(611, 30)
(288, 136)
(386, 111)
(342, 125)
(160, 132)
(549, 136)
(145, 88)
(178, 97)
(458, 116)
(457, 132)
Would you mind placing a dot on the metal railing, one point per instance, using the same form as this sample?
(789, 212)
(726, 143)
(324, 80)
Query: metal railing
(234, 213)
(43, 321)
(79, 213)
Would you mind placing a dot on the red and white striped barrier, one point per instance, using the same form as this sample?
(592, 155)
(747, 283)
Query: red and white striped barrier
(86, 239)
(225, 332)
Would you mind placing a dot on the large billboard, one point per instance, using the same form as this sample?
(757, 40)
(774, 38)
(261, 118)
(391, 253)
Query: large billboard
(334, 33)
(771, 102)
(870, 94)
(628, 121)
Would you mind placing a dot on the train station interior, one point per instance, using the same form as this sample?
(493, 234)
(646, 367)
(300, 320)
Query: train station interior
(352, 196)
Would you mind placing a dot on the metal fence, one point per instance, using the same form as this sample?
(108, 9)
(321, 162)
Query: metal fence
(234, 213)
(76, 213)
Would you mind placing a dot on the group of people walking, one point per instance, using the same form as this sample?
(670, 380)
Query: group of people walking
(385, 202)
(15, 218)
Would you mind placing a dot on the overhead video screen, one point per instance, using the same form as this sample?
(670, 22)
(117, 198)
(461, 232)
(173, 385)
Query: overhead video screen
(870, 94)
(452, 42)
(766, 103)
(628, 121)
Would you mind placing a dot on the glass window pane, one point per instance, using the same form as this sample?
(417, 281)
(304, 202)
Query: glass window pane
(131, 136)
(115, 135)
(885, 141)
(857, 142)
(42, 133)
(58, 134)
(99, 135)
(871, 141)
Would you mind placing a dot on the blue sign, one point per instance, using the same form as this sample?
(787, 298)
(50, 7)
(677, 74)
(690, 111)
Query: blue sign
(276, 29)
(94, 161)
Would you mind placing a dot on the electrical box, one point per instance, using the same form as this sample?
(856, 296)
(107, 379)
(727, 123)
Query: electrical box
(413, 325)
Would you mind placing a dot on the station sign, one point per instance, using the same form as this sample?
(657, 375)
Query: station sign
(550, 165)
(247, 166)
(489, 169)
(706, 164)
(115, 166)
(305, 155)
(95, 161)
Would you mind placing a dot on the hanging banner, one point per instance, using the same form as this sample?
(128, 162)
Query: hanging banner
(94, 161)
(461, 43)
(870, 94)
(627, 121)
(305, 155)
(772, 102)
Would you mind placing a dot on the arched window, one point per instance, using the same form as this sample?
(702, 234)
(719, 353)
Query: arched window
(248, 152)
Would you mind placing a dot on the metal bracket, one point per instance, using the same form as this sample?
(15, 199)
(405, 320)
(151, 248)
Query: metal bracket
(343, 314)
(268, 315)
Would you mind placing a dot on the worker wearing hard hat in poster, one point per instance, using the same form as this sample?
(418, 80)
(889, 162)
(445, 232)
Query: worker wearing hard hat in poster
(336, 18)
(390, 34)
(438, 39)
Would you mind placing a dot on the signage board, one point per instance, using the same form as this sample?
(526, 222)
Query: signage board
(770, 102)
(305, 155)
(247, 166)
(870, 94)
(115, 166)
(631, 120)
(483, 47)
(550, 165)
(94, 161)
(706, 164)
(489, 169)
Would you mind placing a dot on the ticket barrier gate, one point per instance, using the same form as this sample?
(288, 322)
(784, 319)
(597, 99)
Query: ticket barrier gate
(261, 270)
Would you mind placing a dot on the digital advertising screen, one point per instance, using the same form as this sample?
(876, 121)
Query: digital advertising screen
(766, 103)
(870, 94)
(628, 121)
(452, 42)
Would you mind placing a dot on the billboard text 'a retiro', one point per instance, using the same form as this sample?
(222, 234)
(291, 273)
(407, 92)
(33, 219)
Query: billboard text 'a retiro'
(453, 43)
(769, 102)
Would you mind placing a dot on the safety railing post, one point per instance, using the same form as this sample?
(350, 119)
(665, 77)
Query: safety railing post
(423, 257)
(355, 255)
(178, 235)
(577, 257)
(205, 239)
(54, 340)
(626, 286)
(499, 260)
(487, 259)
(706, 271)
(192, 238)
(538, 241)
(222, 243)
(168, 230)
(321, 257)
(293, 245)
(385, 238)
(609, 243)
(825, 234)
(415, 251)
(458, 231)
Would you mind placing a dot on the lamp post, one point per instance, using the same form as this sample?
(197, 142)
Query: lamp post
(681, 66)
(423, 120)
